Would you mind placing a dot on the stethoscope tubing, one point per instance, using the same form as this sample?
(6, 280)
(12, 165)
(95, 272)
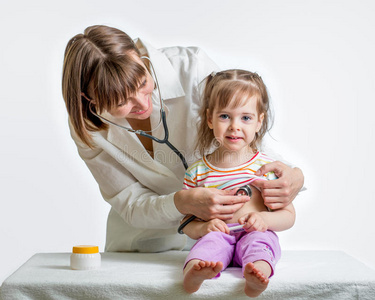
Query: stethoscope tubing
(165, 140)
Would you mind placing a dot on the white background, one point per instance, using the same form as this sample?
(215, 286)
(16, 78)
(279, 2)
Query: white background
(316, 57)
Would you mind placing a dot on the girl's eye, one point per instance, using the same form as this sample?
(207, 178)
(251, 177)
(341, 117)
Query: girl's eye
(246, 118)
(224, 116)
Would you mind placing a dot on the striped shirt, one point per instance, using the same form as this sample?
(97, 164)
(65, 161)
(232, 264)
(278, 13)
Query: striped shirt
(204, 174)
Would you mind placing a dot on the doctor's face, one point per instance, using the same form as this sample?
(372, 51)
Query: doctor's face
(138, 105)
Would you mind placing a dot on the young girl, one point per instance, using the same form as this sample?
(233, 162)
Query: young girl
(235, 117)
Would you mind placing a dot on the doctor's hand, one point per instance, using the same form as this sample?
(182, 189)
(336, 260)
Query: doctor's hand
(280, 192)
(209, 203)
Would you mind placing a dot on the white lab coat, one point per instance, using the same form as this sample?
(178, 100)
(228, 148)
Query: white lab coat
(140, 189)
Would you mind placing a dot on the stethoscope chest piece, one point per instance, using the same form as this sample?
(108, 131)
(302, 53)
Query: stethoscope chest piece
(244, 191)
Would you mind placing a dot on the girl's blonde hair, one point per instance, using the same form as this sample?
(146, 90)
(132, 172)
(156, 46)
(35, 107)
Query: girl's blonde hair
(231, 88)
(98, 65)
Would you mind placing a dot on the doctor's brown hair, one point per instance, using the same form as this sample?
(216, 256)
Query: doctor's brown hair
(232, 88)
(99, 66)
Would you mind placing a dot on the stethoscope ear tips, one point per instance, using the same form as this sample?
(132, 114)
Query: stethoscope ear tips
(87, 98)
(84, 96)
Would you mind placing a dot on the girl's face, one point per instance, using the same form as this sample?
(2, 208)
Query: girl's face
(137, 106)
(235, 128)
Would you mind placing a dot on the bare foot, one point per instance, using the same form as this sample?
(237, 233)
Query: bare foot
(197, 271)
(256, 278)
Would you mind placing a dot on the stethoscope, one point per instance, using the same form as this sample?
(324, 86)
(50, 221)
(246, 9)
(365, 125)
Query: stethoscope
(242, 191)
(246, 189)
(163, 120)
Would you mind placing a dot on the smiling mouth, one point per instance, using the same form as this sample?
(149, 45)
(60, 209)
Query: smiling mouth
(140, 112)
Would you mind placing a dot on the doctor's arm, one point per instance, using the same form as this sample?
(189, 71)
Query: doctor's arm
(137, 205)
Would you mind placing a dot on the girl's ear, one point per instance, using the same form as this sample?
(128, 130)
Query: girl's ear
(209, 118)
(260, 122)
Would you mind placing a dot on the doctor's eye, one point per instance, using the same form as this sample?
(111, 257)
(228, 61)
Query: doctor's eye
(122, 103)
(144, 82)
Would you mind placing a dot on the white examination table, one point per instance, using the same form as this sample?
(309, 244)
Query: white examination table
(299, 275)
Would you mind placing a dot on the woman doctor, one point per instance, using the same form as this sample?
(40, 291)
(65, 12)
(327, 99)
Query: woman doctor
(104, 75)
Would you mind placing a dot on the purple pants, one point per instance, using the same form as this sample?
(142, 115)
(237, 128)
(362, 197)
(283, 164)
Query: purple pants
(240, 248)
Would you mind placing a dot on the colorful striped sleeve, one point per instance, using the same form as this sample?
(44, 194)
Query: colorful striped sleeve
(190, 178)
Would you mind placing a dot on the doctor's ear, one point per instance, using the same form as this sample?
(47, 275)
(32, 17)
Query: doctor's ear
(87, 98)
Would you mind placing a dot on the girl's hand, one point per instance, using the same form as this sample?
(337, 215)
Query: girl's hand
(213, 225)
(209, 203)
(253, 222)
(280, 192)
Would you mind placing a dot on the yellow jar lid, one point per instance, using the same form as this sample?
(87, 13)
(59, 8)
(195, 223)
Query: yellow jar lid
(85, 249)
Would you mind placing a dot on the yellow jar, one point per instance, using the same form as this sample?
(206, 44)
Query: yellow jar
(85, 257)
